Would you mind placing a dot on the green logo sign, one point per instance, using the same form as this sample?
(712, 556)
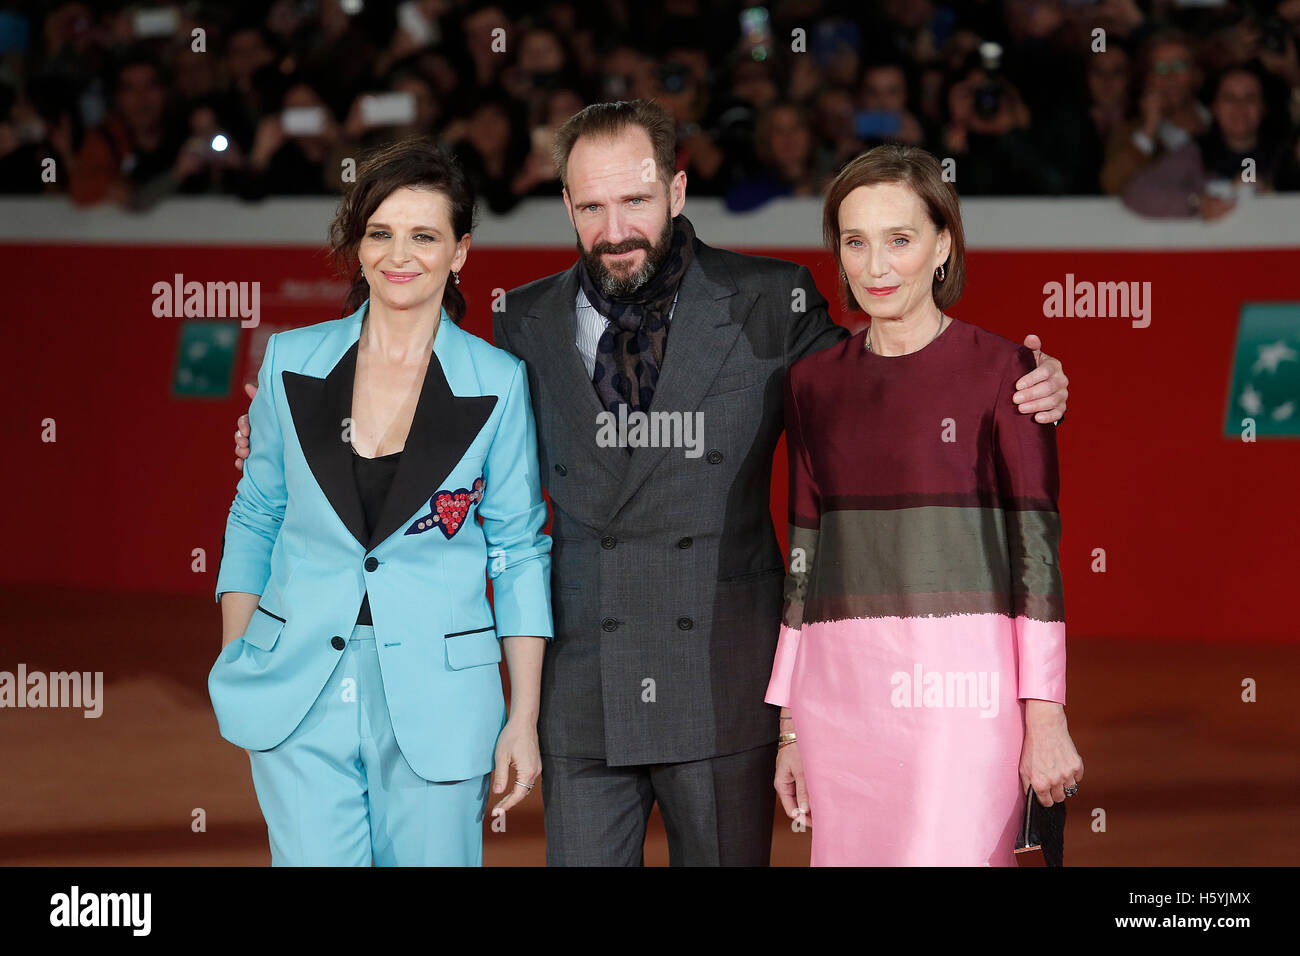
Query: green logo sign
(1266, 371)
(205, 358)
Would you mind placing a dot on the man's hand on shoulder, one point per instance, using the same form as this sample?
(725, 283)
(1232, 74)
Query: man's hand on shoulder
(1043, 391)
(242, 447)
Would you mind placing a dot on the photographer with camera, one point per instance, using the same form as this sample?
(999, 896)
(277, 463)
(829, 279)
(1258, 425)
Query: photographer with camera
(988, 133)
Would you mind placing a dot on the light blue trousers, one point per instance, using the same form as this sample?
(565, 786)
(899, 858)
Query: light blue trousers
(338, 792)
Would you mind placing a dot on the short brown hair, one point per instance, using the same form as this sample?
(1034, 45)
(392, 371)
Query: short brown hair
(608, 120)
(914, 167)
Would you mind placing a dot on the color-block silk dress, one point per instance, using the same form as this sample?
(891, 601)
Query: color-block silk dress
(924, 596)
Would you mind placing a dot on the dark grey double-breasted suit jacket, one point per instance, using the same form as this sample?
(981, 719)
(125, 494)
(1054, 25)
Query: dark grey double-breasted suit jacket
(666, 571)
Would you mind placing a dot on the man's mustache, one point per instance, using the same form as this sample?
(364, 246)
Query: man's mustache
(606, 248)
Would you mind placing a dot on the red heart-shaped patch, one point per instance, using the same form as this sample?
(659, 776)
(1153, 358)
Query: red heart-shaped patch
(449, 510)
(452, 507)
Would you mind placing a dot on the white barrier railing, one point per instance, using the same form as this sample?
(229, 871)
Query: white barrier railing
(991, 223)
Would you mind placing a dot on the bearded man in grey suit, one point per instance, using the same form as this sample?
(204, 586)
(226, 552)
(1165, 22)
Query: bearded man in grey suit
(656, 366)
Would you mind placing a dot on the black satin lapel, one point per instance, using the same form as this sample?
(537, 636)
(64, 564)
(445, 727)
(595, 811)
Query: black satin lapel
(320, 407)
(442, 428)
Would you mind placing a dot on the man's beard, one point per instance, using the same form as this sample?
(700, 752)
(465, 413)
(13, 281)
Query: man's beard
(619, 286)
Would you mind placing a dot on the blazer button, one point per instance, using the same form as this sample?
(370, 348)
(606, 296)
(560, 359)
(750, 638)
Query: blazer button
(714, 457)
(685, 624)
(561, 470)
(609, 624)
(372, 563)
(338, 643)
(685, 543)
(608, 543)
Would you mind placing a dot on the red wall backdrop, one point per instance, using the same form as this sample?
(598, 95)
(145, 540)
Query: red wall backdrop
(1200, 530)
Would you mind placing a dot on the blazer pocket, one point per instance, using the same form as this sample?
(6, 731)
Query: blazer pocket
(264, 629)
(472, 648)
(746, 576)
(735, 381)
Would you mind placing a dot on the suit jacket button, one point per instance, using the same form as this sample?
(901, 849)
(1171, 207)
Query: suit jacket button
(561, 470)
(685, 624)
(608, 543)
(685, 543)
(609, 624)
(714, 457)
(372, 563)
(338, 643)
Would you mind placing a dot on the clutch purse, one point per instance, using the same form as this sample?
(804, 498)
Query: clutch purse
(1042, 829)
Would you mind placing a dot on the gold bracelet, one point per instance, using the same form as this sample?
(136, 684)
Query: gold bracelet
(784, 739)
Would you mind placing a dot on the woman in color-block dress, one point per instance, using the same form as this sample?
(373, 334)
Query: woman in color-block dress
(921, 666)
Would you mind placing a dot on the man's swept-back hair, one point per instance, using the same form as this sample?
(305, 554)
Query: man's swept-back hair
(608, 120)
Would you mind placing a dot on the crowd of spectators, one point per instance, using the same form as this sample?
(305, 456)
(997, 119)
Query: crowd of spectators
(1176, 106)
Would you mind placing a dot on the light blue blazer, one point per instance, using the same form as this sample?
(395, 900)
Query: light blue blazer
(296, 536)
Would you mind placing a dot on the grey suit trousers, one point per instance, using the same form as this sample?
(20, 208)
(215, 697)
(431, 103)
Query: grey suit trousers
(717, 811)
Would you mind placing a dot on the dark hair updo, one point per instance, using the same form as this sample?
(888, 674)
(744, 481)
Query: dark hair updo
(416, 162)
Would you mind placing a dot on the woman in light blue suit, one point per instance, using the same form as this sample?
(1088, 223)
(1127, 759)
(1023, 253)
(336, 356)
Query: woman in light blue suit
(393, 471)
